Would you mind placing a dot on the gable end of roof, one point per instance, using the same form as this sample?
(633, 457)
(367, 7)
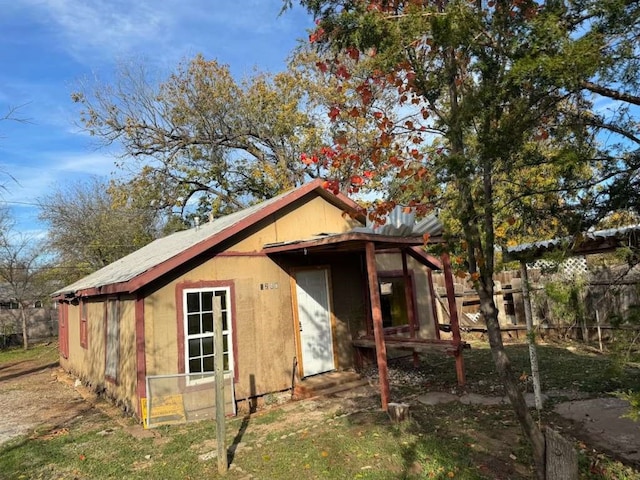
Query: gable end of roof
(131, 273)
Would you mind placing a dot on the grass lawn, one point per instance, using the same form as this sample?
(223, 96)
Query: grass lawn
(41, 353)
(326, 439)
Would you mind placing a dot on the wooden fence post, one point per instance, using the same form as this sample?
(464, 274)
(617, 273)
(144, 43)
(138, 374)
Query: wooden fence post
(223, 463)
(498, 299)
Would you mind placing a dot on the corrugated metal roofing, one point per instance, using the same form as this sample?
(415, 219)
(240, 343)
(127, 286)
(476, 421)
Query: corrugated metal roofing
(162, 249)
(402, 223)
(546, 245)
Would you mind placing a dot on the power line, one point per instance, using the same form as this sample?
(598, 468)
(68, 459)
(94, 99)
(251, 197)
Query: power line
(16, 202)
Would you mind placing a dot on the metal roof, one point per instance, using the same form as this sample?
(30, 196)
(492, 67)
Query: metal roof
(587, 242)
(164, 249)
(399, 222)
(158, 251)
(162, 255)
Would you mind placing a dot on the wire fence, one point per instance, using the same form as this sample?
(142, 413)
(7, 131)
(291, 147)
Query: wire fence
(182, 398)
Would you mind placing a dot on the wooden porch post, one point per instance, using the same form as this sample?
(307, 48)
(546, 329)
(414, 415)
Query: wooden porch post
(453, 317)
(408, 297)
(434, 308)
(378, 333)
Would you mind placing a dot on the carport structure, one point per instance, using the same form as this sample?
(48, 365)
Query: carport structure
(586, 243)
(366, 245)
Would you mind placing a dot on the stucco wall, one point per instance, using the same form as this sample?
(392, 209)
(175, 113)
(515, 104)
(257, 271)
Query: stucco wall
(89, 363)
(262, 305)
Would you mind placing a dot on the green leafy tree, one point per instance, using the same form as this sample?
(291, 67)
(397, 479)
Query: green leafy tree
(201, 136)
(200, 142)
(497, 123)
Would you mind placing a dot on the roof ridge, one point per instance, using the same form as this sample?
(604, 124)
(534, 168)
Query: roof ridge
(156, 258)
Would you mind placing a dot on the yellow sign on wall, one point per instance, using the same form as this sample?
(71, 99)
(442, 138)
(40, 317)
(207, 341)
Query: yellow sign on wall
(164, 410)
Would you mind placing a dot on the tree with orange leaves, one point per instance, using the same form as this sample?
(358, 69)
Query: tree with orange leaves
(495, 120)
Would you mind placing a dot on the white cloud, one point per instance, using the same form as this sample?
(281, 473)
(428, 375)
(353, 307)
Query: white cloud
(91, 164)
(113, 26)
(167, 30)
(51, 170)
(51, 44)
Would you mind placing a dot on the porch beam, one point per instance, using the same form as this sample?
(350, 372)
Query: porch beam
(376, 315)
(453, 316)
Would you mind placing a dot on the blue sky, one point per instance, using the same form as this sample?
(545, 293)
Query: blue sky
(48, 46)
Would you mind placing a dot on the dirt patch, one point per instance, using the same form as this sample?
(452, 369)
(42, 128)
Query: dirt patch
(32, 399)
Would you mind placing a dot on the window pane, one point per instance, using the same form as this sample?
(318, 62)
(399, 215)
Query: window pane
(207, 322)
(194, 366)
(208, 364)
(207, 301)
(399, 313)
(194, 348)
(226, 362)
(193, 302)
(207, 346)
(199, 321)
(193, 324)
(223, 299)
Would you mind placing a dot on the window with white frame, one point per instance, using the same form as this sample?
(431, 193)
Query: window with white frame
(198, 310)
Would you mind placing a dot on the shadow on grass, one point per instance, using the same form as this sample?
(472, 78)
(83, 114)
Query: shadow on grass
(231, 451)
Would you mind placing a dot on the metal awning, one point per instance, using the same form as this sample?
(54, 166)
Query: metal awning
(596, 241)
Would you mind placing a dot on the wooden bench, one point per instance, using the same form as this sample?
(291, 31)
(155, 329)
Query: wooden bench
(365, 346)
(418, 344)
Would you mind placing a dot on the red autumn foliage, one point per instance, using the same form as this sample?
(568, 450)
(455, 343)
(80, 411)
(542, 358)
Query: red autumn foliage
(308, 160)
(356, 180)
(342, 72)
(316, 35)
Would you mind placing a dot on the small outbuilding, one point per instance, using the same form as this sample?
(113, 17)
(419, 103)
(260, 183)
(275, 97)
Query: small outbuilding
(302, 288)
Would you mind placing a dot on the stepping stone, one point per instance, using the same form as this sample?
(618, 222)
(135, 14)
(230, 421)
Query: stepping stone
(436, 398)
(530, 398)
(477, 399)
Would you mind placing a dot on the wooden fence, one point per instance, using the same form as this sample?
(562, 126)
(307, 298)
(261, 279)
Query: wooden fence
(605, 294)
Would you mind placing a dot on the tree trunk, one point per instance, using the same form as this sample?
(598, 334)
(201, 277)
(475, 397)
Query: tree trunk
(561, 459)
(25, 338)
(503, 367)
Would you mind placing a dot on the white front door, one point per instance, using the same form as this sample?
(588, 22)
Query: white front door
(314, 317)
